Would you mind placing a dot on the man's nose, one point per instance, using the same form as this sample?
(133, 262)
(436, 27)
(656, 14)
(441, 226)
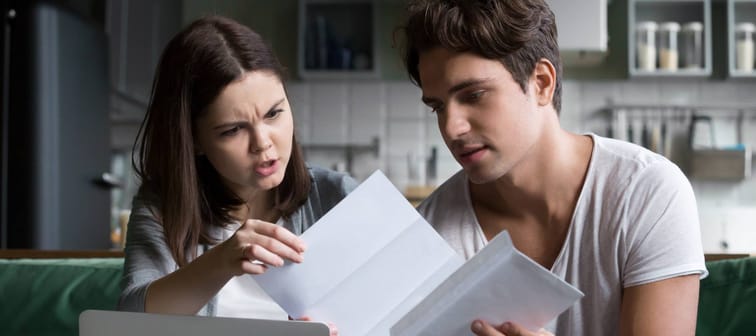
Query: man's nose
(453, 122)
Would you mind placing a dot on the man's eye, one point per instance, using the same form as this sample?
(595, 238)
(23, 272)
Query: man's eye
(436, 108)
(474, 96)
(231, 131)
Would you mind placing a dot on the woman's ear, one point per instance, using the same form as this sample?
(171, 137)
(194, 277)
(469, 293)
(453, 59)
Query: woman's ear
(197, 149)
(545, 80)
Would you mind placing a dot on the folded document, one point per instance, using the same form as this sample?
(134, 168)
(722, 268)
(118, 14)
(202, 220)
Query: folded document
(373, 261)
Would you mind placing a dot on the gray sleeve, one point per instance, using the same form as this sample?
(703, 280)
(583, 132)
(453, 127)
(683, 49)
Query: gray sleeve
(328, 189)
(147, 257)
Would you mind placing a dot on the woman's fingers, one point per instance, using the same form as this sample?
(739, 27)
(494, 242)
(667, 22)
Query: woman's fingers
(331, 327)
(261, 254)
(278, 233)
(253, 267)
(267, 243)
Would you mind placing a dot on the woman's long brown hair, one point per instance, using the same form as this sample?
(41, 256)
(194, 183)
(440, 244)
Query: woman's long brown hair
(194, 68)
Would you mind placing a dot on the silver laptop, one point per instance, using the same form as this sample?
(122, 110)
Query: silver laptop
(115, 323)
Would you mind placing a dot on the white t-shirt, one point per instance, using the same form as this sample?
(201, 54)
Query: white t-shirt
(242, 297)
(635, 222)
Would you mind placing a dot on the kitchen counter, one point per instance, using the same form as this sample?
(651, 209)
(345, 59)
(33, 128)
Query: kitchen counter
(416, 194)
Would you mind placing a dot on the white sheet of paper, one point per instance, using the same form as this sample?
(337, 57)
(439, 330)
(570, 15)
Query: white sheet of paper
(369, 261)
(498, 284)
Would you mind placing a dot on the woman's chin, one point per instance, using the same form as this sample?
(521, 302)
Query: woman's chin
(269, 182)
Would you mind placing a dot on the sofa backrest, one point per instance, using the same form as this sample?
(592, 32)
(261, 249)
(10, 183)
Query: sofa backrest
(727, 299)
(46, 296)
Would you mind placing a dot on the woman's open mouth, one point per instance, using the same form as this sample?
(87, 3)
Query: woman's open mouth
(267, 168)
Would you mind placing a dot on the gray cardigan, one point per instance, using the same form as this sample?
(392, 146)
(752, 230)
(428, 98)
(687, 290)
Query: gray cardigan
(148, 257)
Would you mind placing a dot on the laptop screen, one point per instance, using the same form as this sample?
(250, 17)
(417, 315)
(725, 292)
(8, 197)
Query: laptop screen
(116, 323)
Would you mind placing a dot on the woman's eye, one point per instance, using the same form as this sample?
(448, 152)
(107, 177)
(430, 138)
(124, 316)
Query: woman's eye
(231, 131)
(273, 113)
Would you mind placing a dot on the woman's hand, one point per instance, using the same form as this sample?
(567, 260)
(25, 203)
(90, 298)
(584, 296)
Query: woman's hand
(481, 328)
(258, 244)
(331, 327)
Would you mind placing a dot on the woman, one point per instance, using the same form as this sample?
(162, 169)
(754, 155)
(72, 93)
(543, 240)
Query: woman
(225, 190)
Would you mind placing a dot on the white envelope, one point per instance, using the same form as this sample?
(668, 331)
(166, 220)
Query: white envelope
(497, 285)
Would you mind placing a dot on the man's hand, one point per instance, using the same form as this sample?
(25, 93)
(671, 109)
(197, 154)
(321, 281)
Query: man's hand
(481, 328)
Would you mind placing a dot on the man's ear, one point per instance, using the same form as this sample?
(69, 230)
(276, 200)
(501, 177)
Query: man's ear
(545, 81)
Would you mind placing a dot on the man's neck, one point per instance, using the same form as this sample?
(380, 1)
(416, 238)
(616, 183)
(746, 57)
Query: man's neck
(545, 185)
(536, 200)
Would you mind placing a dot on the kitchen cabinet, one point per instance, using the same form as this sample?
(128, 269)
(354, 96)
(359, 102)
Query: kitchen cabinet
(581, 25)
(664, 21)
(337, 39)
(138, 31)
(741, 18)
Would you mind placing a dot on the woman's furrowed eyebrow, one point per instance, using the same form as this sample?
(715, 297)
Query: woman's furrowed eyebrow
(230, 124)
(242, 123)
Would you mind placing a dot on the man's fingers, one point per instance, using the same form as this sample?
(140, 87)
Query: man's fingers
(481, 328)
(514, 329)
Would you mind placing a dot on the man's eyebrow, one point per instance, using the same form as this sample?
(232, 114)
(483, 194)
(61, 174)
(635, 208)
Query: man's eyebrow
(458, 87)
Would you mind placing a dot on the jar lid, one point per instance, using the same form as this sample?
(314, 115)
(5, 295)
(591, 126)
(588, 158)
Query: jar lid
(745, 27)
(669, 26)
(694, 26)
(646, 25)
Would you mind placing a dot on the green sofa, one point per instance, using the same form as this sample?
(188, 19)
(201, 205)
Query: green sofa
(46, 296)
(727, 299)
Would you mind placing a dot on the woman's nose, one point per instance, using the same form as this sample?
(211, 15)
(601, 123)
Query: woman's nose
(260, 141)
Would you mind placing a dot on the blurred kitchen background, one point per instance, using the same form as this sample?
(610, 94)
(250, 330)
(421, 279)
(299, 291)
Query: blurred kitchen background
(675, 76)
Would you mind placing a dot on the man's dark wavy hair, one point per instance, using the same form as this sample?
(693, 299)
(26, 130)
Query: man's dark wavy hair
(518, 33)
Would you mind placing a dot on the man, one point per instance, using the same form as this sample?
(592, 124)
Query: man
(613, 219)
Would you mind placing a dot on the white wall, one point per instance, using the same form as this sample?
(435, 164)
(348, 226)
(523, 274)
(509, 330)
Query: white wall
(335, 112)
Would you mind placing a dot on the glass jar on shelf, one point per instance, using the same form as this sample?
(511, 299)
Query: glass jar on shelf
(668, 53)
(691, 45)
(744, 56)
(645, 45)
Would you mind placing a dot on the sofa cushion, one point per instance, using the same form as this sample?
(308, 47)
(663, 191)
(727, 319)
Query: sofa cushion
(727, 301)
(46, 296)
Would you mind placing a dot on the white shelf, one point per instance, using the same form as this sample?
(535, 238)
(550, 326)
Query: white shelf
(680, 11)
(738, 11)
